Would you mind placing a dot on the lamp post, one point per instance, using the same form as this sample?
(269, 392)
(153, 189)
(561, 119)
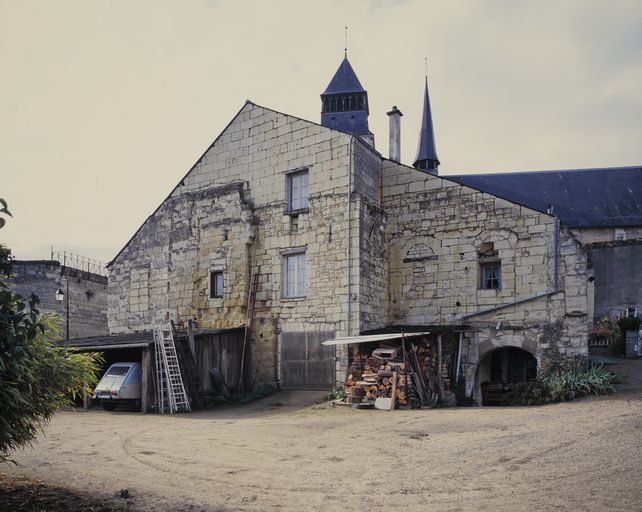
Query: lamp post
(61, 296)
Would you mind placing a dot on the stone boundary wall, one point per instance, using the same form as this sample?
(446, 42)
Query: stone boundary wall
(87, 294)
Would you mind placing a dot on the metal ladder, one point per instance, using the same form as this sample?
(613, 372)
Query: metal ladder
(169, 381)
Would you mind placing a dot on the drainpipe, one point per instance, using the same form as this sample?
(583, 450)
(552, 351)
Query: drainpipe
(554, 291)
(349, 197)
(556, 242)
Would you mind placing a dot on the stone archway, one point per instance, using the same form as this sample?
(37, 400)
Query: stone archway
(500, 369)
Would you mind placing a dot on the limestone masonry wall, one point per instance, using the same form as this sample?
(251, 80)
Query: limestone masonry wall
(436, 231)
(87, 294)
(230, 213)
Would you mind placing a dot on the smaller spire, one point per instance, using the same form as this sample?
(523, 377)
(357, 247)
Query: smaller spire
(426, 160)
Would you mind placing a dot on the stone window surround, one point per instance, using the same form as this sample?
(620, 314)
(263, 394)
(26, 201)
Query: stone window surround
(217, 289)
(486, 268)
(489, 261)
(289, 177)
(286, 254)
(213, 270)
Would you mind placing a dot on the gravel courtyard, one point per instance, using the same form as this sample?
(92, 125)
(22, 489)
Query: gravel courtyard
(287, 453)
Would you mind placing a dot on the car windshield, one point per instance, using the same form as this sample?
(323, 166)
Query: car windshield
(117, 371)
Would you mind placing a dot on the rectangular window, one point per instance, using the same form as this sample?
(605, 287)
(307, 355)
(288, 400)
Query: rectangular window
(491, 276)
(294, 275)
(216, 285)
(297, 190)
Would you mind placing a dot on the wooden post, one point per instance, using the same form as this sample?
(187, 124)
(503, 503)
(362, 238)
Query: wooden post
(440, 383)
(394, 391)
(147, 381)
(190, 337)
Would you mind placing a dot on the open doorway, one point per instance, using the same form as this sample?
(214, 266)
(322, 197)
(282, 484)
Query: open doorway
(501, 369)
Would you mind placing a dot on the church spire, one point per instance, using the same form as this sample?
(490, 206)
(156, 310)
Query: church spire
(426, 160)
(344, 104)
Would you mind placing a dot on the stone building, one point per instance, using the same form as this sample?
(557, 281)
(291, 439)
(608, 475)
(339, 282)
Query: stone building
(342, 241)
(83, 310)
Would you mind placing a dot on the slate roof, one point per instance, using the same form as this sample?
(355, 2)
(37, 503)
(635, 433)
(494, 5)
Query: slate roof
(344, 80)
(580, 197)
(426, 150)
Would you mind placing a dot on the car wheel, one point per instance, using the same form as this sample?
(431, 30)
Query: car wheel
(109, 406)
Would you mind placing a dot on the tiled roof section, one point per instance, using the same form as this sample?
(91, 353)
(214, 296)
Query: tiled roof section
(344, 80)
(426, 150)
(579, 197)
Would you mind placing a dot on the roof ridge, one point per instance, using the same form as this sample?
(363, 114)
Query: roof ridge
(543, 171)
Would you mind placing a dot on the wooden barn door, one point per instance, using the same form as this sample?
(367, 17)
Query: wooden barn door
(305, 363)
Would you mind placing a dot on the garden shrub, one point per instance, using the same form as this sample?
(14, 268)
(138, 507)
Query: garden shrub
(579, 379)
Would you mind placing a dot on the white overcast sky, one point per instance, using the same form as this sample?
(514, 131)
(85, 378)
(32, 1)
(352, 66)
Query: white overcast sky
(105, 105)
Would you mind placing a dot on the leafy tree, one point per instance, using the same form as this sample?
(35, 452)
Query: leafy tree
(37, 377)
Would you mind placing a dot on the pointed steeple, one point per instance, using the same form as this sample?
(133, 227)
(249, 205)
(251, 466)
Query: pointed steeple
(426, 160)
(344, 80)
(344, 104)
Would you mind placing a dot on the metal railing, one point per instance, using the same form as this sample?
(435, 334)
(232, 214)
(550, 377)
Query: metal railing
(78, 262)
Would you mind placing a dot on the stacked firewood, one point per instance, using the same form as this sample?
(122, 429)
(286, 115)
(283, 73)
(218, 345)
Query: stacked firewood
(415, 368)
(376, 377)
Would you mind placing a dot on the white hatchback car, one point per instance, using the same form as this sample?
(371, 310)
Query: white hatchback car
(122, 383)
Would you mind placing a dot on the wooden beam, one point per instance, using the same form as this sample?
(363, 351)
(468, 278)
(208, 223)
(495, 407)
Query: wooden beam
(147, 385)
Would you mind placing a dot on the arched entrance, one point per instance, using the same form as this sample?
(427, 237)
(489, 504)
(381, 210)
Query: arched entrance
(499, 370)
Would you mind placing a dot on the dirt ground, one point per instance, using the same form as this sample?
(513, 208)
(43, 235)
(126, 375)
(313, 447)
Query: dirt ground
(284, 454)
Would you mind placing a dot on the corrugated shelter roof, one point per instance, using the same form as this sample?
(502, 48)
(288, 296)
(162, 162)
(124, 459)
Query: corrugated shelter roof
(110, 341)
(131, 339)
(344, 80)
(350, 340)
(579, 197)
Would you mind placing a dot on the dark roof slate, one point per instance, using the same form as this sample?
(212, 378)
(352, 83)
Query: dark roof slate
(580, 197)
(426, 149)
(344, 80)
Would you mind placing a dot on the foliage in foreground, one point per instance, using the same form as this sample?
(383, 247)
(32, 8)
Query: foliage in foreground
(574, 381)
(37, 377)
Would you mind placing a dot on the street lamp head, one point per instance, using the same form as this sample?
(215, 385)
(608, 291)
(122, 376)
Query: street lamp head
(60, 295)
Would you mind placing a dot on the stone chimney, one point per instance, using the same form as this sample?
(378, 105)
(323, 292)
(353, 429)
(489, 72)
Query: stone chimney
(395, 134)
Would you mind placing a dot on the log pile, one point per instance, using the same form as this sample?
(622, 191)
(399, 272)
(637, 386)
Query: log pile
(414, 367)
(375, 377)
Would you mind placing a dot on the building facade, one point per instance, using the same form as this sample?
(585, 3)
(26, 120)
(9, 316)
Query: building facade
(341, 241)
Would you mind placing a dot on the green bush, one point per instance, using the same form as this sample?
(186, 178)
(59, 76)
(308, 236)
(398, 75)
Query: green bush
(37, 377)
(526, 393)
(577, 380)
(629, 323)
(257, 392)
(337, 393)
